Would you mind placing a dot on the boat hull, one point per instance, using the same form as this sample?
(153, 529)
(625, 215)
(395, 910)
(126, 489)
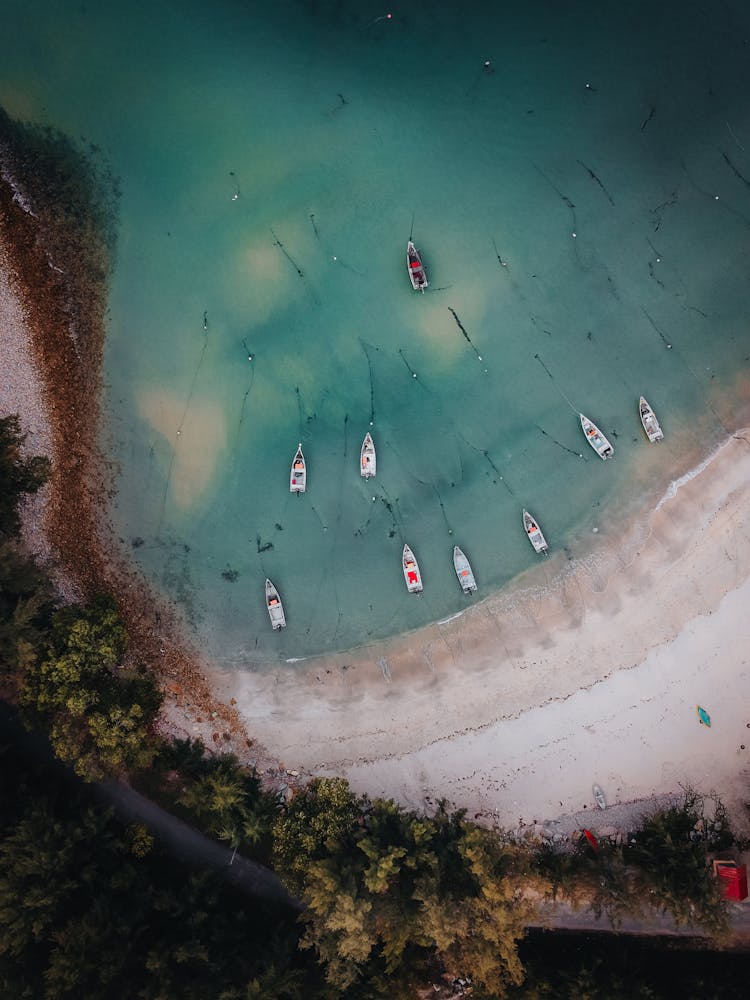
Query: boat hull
(595, 438)
(412, 575)
(275, 607)
(534, 533)
(415, 267)
(298, 474)
(464, 571)
(368, 462)
(650, 424)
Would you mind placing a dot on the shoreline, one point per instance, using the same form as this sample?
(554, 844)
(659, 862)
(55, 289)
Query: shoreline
(442, 712)
(484, 708)
(54, 384)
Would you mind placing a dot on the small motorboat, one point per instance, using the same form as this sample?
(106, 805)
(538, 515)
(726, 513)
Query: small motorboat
(599, 797)
(463, 571)
(650, 424)
(415, 267)
(703, 717)
(534, 533)
(411, 572)
(298, 475)
(367, 458)
(275, 607)
(595, 438)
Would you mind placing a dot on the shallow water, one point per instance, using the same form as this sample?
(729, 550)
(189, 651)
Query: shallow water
(581, 203)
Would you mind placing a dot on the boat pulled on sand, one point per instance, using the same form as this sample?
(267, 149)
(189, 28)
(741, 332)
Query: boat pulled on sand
(411, 572)
(650, 424)
(534, 533)
(368, 460)
(595, 438)
(415, 267)
(464, 571)
(298, 475)
(275, 607)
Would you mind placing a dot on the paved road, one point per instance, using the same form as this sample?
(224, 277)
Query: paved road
(189, 845)
(559, 916)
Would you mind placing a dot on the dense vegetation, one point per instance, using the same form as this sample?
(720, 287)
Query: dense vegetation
(394, 900)
(90, 908)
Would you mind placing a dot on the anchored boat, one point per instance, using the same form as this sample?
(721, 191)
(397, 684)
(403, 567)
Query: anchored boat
(599, 797)
(650, 424)
(298, 475)
(463, 571)
(275, 607)
(534, 533)
(595, 438)
(415, 267)
(411, 572)
(367, 458)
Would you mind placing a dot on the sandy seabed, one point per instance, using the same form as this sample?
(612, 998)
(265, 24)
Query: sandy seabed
(582, 672)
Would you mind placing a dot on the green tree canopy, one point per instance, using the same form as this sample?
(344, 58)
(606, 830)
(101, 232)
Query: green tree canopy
(18, 475)
(389, 891)
(98, 720)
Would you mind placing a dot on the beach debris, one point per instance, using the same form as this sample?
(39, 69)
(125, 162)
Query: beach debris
(703, 717)
(591, 839)
(599, 797)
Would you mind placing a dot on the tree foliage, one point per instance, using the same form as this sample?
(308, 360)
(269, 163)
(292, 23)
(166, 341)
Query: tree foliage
(224, 798)
(93, 909)
(389, 892)
(98, 720)
(19, 475)
(669, 854)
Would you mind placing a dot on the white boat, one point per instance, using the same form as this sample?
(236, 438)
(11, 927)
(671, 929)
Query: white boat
(411, 572)
(298, 475)
(534, 533)
(599, 797)
(415, 267)
(275, 607)
(595, 438)
(463, 571)
(367, 458)
(650, 424)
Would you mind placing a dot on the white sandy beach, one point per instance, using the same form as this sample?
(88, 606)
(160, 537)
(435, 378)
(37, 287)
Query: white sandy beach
(581, 673)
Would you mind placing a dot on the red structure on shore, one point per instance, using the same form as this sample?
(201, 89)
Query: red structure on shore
(733, 879)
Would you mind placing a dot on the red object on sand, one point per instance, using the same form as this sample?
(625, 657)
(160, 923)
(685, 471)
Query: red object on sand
(591, 839)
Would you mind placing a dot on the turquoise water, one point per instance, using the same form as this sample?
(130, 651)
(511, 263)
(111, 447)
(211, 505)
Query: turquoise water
(273, 160)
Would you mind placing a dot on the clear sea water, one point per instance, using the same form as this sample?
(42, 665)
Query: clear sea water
(580, 201)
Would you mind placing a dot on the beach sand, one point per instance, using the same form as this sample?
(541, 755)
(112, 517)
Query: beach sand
(581, 672)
